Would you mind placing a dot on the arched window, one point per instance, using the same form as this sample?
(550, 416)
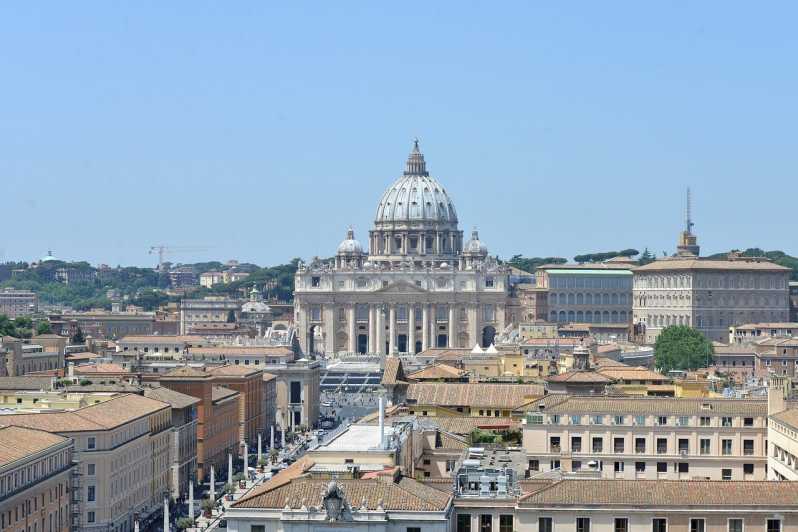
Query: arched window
(580, 316)
(553, 315)
(623, 316)
(562, 299)
(570, 299)
(605, 316)
(614, 299)
(571, 315)
(588, 299)
(589, 316)
(605, 299)
(561, 316)
(614, 316)
(580, 299)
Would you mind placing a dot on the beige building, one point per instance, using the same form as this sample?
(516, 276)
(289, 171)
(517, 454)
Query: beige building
(417, 286)
(15, 303)
(648, 438)
(211, 310)
(122, 450)
(782, 430)
(751, 332)
(35, 480)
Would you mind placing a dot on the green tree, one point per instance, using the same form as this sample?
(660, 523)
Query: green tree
(43, 327)
(646, 257)
(77, 338)
(682, 347)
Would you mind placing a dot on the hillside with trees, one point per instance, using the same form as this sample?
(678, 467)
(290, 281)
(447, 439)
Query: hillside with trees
(779, 257)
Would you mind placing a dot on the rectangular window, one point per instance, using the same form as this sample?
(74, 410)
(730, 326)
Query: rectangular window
(576, 444)
(748, 447)
(621, 524)
(619, 420)
(640, 467)
(90, 468)
(618, 445)
(506, 523)
(485, 523)
(726, 447)
(544, 524)
(576, 420)
(748, 422)
(464, 523)
(696, 525)
(684, 446)
(659, 525)
(582, 524)
(683, 467)
(640, 445)
(315, 281)
(598, 420)
(534, 465)
(725, 421)
(774, 525)
(554, 444)
(619, 467)
(683, 421)
(413, 529)
(735, 525)
(90, 517)
(725, 474)
(662, 445)
(662, 420)
(92, 443)
(704, 421)
(705, 446)
(257, 528)
(748, 469)
(91, 493)
(662, 467)
(598, 445)
(640, 420)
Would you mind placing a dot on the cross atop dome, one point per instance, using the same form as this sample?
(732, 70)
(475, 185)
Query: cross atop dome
(415, 164)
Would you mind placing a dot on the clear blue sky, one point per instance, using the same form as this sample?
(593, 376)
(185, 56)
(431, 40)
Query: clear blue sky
(263, 130)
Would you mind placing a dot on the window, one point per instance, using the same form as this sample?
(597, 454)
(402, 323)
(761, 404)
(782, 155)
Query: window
(662, 420)
(621, 524)
(506, 523)
(576, 420)
(257, 528)
(464, 523)
(748, 469)
(91, 493)
(582, 524)
(725, 421)
(598, 445)
(748, 447)
(726, 447)
(640, 445)
(704, 446)
(748, 422)
(704, 421)
(683, 467)
(725, 474)
(619, 420)
(90, 517)
(774, 525)
(597, 420)
(544, 524)
(554, 443)
(576, 444)
(683, 421)
(409, 529)
(485, 523)
(534, 465)
(618, 445)
(735, 525)
(662, 467)
(315, 281)
(555, 419)
(554, 464)
(684, 446)
(640, 420)
(90, 469)
(489, 284)
(576, 465)
(619, 467)
(662, 445)
(92, 443)
(659, 525)
(696, 525)
(640, 467)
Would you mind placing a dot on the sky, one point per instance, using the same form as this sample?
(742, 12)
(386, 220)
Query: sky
(260, 130)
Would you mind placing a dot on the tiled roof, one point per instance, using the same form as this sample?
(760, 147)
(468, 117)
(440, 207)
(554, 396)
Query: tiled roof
(437, 371)
(464, 425)
(166, 395)
(638, 373)
(403, 495)
(393, 372)
(775, 325)
(100, 368)
(233, 370)
(187, 371)
(664, 493)
(220, 392)
(271, 351)
(452, 441)
(501, 396)
(17, 443)
(25, 383)
(268, 377)
(788, 417)
(658, 406)
(706, 264)
(578, 376)
(101, 416)
(604, 362)
(587, 266)
(165, 339)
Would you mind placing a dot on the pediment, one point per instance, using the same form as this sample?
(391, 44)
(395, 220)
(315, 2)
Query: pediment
(401, 287)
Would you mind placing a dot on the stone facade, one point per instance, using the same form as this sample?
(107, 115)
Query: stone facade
(418, 287)
(587, 293)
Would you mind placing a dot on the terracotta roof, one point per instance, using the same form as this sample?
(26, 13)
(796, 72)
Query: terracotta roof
(580, 375)
(502, 396)
(638, 373)
(452, 441)
(604, 362)
(101, 367)
(664, 493)
(101, 416)
(437, 371)
(776, 325)
(165, 339)
(17, 443)
(262, 350)
(658, 406)
(187, 371)
(403, 495)
(464, 425)
(588, 266)
(233, 370)
(706, 264)
(25, 383)
(220, 392)
(268, 377)
(85, 355)
(282, 478)
(173, 398)
(393, 373)
(607, 348)
(788, 417)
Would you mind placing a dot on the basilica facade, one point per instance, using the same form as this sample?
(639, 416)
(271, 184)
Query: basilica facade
(417, 286)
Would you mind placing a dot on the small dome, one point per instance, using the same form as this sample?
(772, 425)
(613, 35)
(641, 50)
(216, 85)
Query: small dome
(49, 257)
(474, 245)
(256, 307)
(350, 246)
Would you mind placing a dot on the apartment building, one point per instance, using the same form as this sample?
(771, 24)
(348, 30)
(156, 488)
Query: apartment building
(248, 382)
(209, 310)
(35, 480)
(121, 447)
(648, 438)
(475, 399)
(269, 400)
(750, 332)
(15, 303)
(776, 356)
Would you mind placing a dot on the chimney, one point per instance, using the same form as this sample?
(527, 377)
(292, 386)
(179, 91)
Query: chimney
(382, 424)
(71, 370)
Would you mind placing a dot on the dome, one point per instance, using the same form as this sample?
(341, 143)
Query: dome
(475, 245)
(415, 196)
(256, 307)
(349, 245)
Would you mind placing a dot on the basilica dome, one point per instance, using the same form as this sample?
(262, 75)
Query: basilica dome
(349, 245)
(475, 245)
(416, 197)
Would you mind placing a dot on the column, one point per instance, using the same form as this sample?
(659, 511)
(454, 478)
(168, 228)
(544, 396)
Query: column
(411, 328)
(352, 338)
(433, 326)
(452, 326)
(392, 329)
(328, 317)
(437, 243)
(372, 329)
(473, 326)
(424, 326)
(380, 347)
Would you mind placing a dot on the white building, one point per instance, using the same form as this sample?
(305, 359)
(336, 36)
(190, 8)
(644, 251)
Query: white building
(417, 286)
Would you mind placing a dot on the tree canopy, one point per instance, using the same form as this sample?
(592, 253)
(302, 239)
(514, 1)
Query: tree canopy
(779, 257)
(528, 264)
(605, 255)
(682, 347)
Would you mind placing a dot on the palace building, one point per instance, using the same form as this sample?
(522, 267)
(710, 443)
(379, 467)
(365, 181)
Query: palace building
(417, 286)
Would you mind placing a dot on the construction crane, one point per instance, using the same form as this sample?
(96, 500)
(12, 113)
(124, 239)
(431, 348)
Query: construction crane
(163, 250)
